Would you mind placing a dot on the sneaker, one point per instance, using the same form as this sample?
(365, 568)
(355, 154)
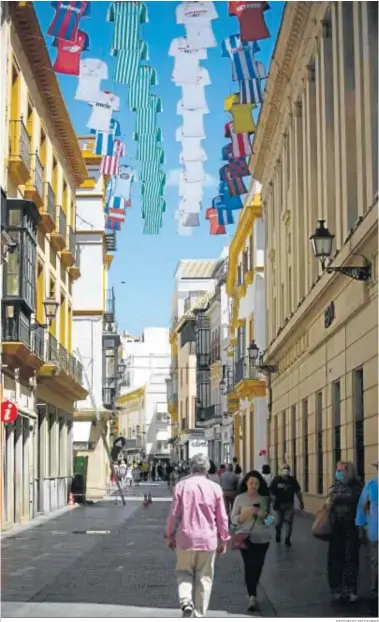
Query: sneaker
(353, 598)
(252, 603)
(187, 611)
(287, 542)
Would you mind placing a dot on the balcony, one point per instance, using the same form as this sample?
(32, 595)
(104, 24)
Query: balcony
(110, 306)
(74, 271)
(48, 210)
(22, 347)
(162, 449)
(212, 413)
(62, 371)
(19, 153)
(162, 421)
(58, 237)
(110, 242)
(68, 255)
(109, 393)
(232, 397)
(34, 186)
(247, 381)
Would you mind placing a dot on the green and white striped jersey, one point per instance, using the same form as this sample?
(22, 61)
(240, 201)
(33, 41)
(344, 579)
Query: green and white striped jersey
(139, 90)
(128, 63)
(147, 148)
(127, 17)
(153, 216)
(146, 118)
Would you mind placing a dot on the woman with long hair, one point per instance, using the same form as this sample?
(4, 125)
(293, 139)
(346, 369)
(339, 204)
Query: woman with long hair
(250, 510)
(212, 473)
(343, 553)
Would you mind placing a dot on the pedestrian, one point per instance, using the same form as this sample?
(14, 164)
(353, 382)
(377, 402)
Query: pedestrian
(221, 470)
(229, 483)
(284, 487)
(153, 471)
(236, 465)
(367, 516)
(197, 526)
(266, 474)
(212, 473)
(238, 472)
(129, 476)
(343, 552)
(122, 473)
(160, 472)
(250, 510)
(136, 474)
(174, 478)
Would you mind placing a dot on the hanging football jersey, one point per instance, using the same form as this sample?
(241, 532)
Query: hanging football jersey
(147, 149)
(128, 63)
(65, 24)
(146, 118)
(251, 92)
(190, 191)
(193, 97)
(68, 56)
(189, 206)
(159, 204)
(153, 216)
(225, 200)
(237, 167)
(150, 169)
(230, 101)
(251, 19)
(233, 42)
(188, 220)
(154, 188)
(92, 71)
(139, 90)
(233, 186)
(193, 124)
(242, 120)
(115, 203)
(241, 145)
(104, 140)
(100, 118)
(200, 35)
(116, 213)
(195, 153)
(195, 12)
(194, 171)
(224, 217)
(244, 65)
(186, 60)
(112, 225)
(110, 163)
(127, 17)
(214, 227)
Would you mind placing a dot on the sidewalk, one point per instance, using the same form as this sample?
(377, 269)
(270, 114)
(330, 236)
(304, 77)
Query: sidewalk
(129, 572)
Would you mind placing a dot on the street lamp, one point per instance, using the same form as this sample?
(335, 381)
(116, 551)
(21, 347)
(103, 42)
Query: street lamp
(51, 308)
(255, 355)
(322, 244)
(121, 368)
(253, 351)
(223, 386)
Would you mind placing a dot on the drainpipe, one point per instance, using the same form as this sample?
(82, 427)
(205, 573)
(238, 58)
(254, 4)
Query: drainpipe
(269, 415)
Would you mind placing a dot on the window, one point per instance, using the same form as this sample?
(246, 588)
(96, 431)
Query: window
(241, 341)
(13, 272)
(293, 440)
(42, 148)
(359, 441)
(319, 455)
(305, 446)
(29, 124)
(284, 436)
(336, 413)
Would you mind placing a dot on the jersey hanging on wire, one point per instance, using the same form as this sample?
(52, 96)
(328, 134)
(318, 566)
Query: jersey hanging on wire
(65, 24)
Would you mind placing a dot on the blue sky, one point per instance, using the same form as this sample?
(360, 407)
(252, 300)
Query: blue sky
(147, 263)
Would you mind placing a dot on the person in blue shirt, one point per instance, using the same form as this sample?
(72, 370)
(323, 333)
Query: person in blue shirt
(367, 516)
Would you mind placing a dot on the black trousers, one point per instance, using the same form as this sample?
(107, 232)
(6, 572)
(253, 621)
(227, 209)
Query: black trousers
(343, 558)
(253, 560)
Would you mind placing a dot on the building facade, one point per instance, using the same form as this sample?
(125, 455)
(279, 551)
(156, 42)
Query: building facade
(143, 415)
(246, 387)
(95, 335)
(316, 155)
(40, 171)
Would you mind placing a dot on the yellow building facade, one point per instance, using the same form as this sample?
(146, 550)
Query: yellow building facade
(316, 155)
(41, 168)
(246, 390)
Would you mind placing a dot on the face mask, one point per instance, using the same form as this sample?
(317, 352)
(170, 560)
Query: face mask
(340, 476)
(286, 472)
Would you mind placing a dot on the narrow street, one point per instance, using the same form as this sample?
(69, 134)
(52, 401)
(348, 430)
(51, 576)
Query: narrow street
(56, 570)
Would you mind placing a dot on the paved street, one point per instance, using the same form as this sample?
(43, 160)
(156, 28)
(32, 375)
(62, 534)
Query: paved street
(51, 571)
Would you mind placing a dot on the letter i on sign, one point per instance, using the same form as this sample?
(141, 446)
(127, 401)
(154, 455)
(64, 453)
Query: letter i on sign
(9, 412)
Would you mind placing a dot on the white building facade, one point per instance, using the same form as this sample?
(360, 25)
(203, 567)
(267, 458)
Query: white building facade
(143, 402)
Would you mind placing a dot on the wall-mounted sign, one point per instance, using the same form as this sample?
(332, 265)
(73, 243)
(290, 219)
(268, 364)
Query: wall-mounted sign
(329, 315)
(197, 446)
(9, 411)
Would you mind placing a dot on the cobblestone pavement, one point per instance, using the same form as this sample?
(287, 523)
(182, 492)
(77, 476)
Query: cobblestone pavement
(56, 570)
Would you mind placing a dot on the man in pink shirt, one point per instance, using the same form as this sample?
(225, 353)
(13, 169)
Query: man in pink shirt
(197, 527)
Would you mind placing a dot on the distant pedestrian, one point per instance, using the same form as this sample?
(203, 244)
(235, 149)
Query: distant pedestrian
(153, 472)
(367, 516)
(122, 473)
(284, 487)
(229, 483)
(197, 526)
(221, 470)
(250, 510)
(343, 553)
(212, 473)
(129, 476)
(160, 472)
(174, 478)
(267, 475)
(236, 465)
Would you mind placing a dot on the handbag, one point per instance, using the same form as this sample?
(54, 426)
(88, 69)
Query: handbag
(322, 526)
(239, 541)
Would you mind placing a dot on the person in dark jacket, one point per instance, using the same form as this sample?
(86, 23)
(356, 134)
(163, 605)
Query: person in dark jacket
(343, 553)
(284, 487)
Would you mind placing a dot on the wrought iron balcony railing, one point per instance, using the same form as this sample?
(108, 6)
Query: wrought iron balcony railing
(61, 223)
(38, 340)
(53, 350)
(50, 201)
(16, 328)
(212, 412)
(71, 241)
(19, 147)
(110, 241)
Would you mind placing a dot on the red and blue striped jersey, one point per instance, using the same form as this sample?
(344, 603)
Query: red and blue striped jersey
(65, 24)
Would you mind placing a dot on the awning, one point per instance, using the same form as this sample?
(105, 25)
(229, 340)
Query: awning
(82, 431)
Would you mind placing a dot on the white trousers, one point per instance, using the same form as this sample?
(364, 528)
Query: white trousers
(194, 571)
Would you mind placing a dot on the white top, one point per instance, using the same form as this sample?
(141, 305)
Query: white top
(180, 108)
(188, 190)
(189, 206)
(92, 71)
(200, 35)
(100, 118)
(195, 12)
(193, 124)
(193, 153)
(193, 97)
(122, 183)
(194, 171)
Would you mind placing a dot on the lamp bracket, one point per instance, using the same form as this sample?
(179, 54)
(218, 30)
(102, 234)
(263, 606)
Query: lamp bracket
(358, 273)
(268, 369)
